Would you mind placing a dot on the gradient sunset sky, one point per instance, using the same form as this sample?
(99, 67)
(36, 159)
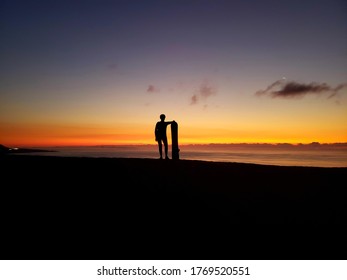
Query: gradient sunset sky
(227, 71)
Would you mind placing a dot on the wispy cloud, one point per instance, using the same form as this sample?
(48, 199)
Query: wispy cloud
(204, 92)
(292, 89)
(114, 69)
(152, 89)
(194, 99)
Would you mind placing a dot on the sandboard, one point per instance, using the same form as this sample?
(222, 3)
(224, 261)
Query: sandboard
(174, 140)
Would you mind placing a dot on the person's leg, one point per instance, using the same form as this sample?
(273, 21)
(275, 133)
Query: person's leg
(166, 147)
(160, 149)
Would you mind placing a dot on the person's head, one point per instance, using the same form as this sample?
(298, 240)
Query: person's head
(162, 117)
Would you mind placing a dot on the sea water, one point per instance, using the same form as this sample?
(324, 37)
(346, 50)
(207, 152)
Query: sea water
(285, 155)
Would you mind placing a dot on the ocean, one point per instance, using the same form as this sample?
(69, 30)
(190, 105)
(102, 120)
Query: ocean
(317, 155)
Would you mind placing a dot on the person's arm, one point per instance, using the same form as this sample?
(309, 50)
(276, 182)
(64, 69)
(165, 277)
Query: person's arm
(156, 132)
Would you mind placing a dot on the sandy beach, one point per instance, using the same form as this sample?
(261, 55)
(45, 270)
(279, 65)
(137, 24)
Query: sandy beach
(127, 208)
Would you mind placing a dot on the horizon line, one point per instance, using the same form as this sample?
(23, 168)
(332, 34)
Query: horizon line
(187, 144)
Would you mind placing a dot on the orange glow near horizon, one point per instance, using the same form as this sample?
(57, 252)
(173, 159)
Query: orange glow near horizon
(58, 135)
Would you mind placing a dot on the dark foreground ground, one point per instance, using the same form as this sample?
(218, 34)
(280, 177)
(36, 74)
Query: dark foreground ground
(85, 208)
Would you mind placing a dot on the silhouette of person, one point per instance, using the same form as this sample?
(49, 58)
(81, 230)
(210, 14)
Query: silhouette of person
(160, 135)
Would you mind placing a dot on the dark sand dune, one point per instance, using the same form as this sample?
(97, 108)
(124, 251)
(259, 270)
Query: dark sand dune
(113, 208)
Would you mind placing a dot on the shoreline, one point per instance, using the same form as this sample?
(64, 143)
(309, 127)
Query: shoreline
(213, 159)
(280, 156)
(31, 153)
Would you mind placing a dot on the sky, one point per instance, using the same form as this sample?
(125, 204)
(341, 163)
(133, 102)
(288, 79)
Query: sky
(227, 71)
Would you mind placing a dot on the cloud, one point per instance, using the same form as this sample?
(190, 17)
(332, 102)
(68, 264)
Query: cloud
(283, 89)
(204, 92)
(114, 69)
(194, 99)
(152, 89)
